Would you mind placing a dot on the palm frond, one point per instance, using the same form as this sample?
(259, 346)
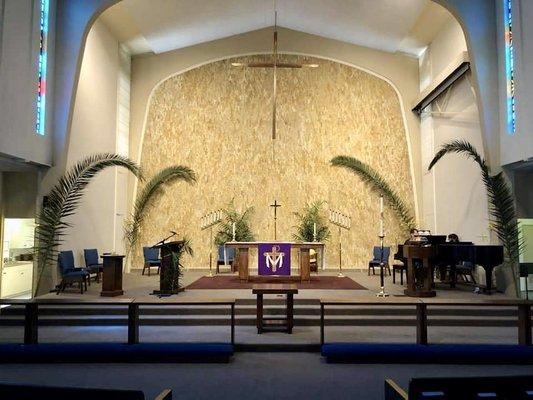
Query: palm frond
(63, 201)
(155, 186)
(311, 215)
(502, 210)
(380, 185)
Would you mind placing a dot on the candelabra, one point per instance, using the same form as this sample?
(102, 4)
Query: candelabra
(207, 222)
(342, 221)
(382, 292)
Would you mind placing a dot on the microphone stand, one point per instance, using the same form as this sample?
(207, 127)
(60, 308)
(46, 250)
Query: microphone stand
(162, 242)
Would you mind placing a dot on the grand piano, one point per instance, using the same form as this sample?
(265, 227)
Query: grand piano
(451, 254)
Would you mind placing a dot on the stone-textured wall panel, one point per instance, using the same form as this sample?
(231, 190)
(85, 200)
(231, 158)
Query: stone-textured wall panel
(217, 120)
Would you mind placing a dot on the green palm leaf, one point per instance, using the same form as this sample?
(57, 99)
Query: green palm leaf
(154, 187)
(63, 201)
(501, 201)
(380, 185)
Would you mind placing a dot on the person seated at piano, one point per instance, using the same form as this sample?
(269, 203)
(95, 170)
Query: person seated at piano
(452, 238)
(443, 268)
(415, 238)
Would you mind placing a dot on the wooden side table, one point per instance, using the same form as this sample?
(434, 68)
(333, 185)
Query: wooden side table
(112, 276)
(287, 323)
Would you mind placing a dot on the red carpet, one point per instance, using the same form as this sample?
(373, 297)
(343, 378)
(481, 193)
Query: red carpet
(317, 282)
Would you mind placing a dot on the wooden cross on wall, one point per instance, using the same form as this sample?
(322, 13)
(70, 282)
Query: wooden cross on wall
(275, 64)
(275, 205)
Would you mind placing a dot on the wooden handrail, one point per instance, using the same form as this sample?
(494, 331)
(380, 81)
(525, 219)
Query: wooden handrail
(31, 312)
(421, 304)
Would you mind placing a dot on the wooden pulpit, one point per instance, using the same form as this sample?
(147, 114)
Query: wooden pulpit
(419, 270)
(165, 280)
(112, 276)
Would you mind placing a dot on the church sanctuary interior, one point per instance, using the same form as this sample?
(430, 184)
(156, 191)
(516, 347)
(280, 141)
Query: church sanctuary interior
(266, 199)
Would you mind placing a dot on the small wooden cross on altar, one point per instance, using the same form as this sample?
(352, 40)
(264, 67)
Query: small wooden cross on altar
(275, 205)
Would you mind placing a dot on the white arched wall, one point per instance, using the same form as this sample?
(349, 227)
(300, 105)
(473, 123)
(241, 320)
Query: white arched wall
(454, 196)
(75, 17)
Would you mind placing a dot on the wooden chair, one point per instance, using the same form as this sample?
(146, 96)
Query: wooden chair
(69, 272)
(376, 261)
(151, 259)
(92, 264)
(526, 269)
(230, 258)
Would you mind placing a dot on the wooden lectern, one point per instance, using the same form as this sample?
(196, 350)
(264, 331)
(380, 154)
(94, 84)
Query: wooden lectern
(419, 270)
(165, 284)
(112, 276)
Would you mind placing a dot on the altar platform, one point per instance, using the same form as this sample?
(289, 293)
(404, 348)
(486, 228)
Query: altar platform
(206, 323)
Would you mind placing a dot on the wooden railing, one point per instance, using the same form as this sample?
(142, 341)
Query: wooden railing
(31, 312)
(421, 305)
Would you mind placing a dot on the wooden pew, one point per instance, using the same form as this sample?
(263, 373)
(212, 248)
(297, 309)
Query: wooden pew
(31, 392)
(463, 388)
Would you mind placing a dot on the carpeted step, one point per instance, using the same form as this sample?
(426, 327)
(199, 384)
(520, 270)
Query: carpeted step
(426, 354)
(116, 353)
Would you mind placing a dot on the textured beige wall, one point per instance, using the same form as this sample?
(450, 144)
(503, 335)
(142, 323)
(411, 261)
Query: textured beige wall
(149, 70)
(217, 120)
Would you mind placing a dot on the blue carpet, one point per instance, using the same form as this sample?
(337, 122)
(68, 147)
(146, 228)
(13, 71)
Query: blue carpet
(432, 354)
(115, 353)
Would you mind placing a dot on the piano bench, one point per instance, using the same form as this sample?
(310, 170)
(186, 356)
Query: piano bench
(399, 268)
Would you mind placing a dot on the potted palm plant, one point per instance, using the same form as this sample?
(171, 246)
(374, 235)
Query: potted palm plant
(171, 278)
(310, 221)
(243, 231)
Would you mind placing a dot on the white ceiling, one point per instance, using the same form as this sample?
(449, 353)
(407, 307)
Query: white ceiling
(163, 25)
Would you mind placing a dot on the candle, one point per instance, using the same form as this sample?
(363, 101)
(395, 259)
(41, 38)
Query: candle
(314, 231)
(234, 231)
(381, 216)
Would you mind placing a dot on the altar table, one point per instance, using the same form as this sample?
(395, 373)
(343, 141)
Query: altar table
(304, 262)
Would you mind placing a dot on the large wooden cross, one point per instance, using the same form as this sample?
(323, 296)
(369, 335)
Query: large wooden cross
(275, 64)
(275, 205)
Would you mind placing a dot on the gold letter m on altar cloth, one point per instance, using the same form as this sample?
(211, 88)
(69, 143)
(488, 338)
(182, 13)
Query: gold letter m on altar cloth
(274, 258)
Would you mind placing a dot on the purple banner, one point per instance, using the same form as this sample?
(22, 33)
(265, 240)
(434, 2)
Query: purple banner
(274, 258)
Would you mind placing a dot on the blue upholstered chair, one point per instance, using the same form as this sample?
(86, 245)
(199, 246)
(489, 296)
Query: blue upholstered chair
(91, 263)
(151, 259)
(69, 272)
(376, 260)
(230, 257)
